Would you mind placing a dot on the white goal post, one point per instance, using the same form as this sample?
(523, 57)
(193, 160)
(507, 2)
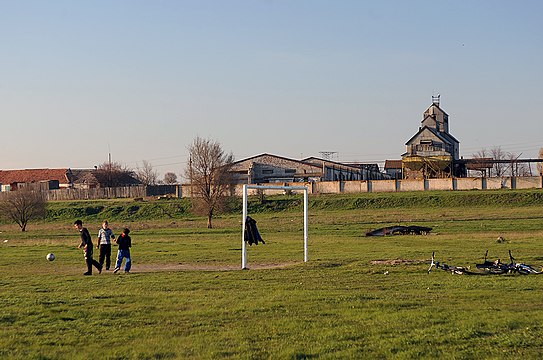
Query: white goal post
(263, 187)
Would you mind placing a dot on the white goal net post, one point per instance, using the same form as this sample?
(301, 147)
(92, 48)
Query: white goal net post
(273, 187)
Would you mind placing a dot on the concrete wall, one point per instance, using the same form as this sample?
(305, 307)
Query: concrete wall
(440, 184)
(411, 185)
(355, 187)
(382, 186)
(528, 182)
(468, 184)
(358, 186)
(327, 187)
(497, 183)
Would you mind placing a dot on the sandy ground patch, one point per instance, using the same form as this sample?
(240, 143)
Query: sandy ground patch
(143, 268)
(399, 262)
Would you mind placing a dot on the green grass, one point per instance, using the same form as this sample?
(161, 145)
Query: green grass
(338, 305)
(129, 210)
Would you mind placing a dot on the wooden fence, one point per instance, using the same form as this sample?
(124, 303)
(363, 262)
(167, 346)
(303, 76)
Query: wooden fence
(96, 193)
(109, 193)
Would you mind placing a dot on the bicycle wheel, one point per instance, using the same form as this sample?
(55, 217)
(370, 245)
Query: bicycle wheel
(526, 269)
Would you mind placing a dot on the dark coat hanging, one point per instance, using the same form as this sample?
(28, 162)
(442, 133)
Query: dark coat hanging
(252, 236)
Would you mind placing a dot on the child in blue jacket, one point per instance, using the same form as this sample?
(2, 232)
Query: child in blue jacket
(125, 243)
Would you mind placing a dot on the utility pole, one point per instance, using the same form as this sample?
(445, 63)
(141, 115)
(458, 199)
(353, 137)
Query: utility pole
(109, 169)
(326, 155)
(190, 174)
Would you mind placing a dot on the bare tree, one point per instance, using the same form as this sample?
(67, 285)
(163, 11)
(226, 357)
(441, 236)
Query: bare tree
(112, 174)
(170, 178)
(523, 170)
(496, 153)
(481, 163)
(21, 206)
(209, 174)
(146, 174)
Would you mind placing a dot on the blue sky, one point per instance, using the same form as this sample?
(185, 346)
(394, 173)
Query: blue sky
(143, 78)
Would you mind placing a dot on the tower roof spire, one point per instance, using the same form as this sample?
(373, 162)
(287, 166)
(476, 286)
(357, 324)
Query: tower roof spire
(435, 99)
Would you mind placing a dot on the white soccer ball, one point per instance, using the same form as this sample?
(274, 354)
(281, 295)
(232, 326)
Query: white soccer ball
(50, 257)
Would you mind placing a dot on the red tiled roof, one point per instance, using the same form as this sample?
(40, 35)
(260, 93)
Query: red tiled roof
(34, 175)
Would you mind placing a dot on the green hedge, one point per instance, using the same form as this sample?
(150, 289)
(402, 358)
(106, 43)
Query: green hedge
(128, 209)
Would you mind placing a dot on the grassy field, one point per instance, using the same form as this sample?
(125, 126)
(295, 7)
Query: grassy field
(187, 297)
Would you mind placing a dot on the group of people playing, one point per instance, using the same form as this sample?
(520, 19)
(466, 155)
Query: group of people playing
(105, 235)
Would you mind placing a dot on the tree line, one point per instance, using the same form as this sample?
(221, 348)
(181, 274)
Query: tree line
(208, 171)
(113, 174)
(496, 162)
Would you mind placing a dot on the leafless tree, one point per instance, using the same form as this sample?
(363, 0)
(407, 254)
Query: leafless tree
(112, 174)
(23, 205)
(523, 170)
(146, 174)
(170, 178)
(482, 164)
(496, 153)
(209, 174)
(516, 168)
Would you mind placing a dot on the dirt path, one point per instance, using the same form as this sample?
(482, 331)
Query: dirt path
(399, 262)
(143, 268)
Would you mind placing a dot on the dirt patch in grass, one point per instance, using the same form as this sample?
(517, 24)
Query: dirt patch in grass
(143, 268)
(399, 262)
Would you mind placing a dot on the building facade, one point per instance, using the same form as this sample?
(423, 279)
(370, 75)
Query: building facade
(432, 152)
(42, 179)
(268, 168)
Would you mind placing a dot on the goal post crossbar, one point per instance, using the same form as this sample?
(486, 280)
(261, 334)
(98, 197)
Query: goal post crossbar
(244, 216)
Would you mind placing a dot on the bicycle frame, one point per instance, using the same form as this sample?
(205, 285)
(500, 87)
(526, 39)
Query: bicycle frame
(488, 267)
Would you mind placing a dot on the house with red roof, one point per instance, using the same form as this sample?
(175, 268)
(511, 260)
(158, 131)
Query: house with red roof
(47, 179)
(51, 179)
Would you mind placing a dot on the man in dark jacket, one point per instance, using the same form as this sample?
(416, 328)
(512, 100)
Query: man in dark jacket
(86, 244)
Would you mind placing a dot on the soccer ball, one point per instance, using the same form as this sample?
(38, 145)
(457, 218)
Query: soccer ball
(50, 257)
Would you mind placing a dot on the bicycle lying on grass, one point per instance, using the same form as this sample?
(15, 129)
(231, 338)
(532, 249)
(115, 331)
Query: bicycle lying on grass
(497, 267)
(488, 267)
(460, 270)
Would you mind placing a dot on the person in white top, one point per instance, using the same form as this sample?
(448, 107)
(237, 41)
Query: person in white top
(105, 234)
